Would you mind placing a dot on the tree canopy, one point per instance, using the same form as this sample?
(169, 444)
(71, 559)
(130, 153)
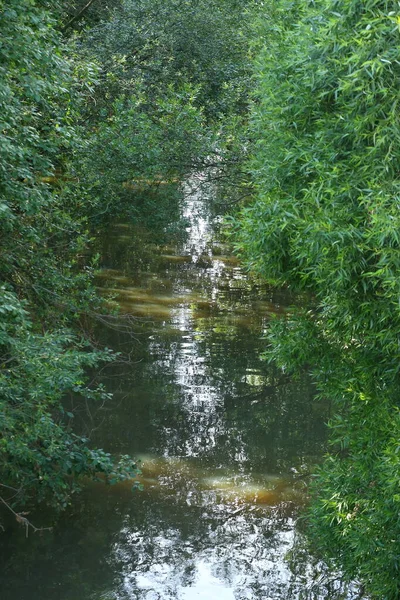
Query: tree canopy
(43, 292)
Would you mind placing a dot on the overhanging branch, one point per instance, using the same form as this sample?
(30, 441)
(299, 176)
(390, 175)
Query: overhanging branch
(77, 16)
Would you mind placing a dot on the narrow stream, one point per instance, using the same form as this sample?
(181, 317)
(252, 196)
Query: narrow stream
(224, 438)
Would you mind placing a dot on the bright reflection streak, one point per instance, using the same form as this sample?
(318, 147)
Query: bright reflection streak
(207, 586)
(199, 224)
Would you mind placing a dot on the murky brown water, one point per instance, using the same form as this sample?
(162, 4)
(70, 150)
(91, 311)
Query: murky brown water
(223, 437)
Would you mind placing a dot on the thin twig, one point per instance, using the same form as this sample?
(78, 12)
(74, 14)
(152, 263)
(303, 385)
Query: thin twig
(23, 520)
(77, 16)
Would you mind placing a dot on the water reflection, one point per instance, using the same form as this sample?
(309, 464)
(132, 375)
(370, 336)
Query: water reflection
(225, 441)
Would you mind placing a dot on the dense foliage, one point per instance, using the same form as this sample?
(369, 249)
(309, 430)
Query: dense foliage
(172, 85)
(325, 221)
(43, 293)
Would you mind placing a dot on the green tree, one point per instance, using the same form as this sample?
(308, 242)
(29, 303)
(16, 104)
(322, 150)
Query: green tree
(43, 293)
(171, 98)
(160, 43)
(325, 221)
(134, 157)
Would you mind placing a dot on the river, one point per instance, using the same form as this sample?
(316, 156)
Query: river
(225, 441)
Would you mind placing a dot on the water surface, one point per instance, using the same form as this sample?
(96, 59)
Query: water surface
(225, 441)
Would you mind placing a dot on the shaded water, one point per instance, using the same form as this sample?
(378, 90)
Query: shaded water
(224, 441)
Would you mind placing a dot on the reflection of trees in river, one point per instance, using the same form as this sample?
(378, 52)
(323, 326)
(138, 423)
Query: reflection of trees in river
(195, 391)
(195, 388)
(200, 382)
(238, 553)
(115, 546)
(198, 389)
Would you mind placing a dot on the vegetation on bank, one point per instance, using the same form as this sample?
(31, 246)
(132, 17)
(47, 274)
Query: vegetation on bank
(325, 220)
(45, 284)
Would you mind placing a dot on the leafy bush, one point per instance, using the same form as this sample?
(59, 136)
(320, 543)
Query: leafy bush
(325, 220)
(42, 291)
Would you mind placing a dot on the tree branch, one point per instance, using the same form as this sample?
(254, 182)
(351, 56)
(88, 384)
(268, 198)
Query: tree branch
(23, 520)
(77, 16)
